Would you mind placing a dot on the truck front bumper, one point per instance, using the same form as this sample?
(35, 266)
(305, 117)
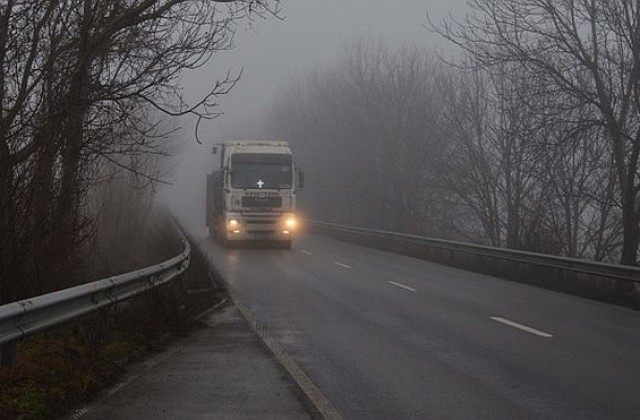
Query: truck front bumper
(260, 227)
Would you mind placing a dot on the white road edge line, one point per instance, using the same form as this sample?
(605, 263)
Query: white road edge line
(341, 265)
(521, 327)
(403, 286)
(299, 377)
(304, 251)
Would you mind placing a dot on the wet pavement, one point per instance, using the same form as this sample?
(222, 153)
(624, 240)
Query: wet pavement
(221, 371)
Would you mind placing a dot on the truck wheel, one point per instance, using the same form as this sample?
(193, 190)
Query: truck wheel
(285, 245)
(212, 232)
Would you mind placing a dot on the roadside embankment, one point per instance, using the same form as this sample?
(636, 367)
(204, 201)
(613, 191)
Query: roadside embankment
(57, 369)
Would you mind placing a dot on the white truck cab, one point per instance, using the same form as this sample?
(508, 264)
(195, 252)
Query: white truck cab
(252, 195)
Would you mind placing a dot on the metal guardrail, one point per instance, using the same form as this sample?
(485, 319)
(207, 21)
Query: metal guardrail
(28, 316)
(613, 271)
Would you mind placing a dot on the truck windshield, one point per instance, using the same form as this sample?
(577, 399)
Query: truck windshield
(261, 171)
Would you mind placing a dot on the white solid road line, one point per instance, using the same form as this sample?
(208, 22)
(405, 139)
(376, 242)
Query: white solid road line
(341, 265)
(403, 286)
(521, 327)
(304, 251)
(308, 387)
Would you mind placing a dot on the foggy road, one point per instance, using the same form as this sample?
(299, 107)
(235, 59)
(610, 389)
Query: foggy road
(514, 124)
(387, 336)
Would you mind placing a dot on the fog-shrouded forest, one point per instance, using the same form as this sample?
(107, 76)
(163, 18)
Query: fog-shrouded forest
(527, 136)
(505, 124)
(406, 143)
(530, 140)
(87, 91)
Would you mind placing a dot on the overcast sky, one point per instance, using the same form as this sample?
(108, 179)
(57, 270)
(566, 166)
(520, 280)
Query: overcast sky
(271, 52)
(310, 35)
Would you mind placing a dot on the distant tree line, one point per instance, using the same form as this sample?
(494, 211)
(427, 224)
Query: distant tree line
(530, 141)
(367, 131)
(83, 87)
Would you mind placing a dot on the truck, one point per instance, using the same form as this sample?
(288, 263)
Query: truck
(251, 195)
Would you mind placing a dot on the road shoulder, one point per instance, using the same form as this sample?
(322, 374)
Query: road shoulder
(219, 371)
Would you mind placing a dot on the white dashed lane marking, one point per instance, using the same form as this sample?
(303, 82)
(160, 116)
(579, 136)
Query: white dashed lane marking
(403, 286)
(304, 251)
(521, 327)
(339, 264)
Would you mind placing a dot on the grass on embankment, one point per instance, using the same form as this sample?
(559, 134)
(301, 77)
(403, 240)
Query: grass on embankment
(58, 369)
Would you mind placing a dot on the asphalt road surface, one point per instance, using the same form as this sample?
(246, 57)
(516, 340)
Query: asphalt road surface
(388, 336)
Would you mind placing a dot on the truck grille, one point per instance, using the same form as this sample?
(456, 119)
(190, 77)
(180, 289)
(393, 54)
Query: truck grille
(262, 202)
(261, 225)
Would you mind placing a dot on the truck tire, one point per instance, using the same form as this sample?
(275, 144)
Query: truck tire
(285, 245)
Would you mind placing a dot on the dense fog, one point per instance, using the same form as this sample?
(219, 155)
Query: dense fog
(272, 53)
(511, 124)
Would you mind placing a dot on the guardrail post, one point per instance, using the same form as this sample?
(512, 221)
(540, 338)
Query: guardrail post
(8, 354)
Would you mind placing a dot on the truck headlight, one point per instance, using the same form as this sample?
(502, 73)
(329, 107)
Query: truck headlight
(233, 225)
(290, 222)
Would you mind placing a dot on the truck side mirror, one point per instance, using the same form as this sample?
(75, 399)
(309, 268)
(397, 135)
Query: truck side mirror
(300, 179)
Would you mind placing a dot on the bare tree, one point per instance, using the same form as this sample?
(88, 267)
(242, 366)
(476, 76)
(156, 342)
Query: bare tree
(492, 164)
(468, 169)
(73, 77)
(369, 128)
(585, 51)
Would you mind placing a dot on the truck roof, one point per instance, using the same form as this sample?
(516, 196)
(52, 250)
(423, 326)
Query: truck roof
(256, 143)
(256, 146)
